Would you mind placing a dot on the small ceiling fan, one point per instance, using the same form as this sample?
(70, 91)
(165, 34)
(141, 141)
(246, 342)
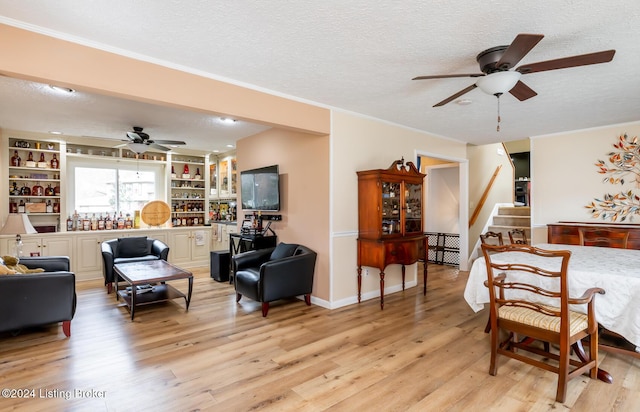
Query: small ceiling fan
(140, 142)
(497, 77)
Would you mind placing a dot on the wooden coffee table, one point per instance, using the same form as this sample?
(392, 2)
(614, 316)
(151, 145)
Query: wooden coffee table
(156, 272)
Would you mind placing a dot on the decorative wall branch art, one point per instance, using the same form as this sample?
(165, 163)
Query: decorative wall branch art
(624, 161)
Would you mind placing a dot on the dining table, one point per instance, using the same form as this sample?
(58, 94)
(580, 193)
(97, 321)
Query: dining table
(615, 270)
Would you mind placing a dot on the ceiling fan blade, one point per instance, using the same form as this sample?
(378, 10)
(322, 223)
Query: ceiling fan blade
(521, 45)
(567, 62)
(522, 92)
(455, 96)
(158, 147)
(169, 141)
(447, 76)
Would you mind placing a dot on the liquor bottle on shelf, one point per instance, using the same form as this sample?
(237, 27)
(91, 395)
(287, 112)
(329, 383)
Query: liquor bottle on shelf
(15, 160)
(30, 157)
(173, 172)
(69, 224)
(86, 223)
(136, 219)
(120, 221)
(198, 176)
(42, 159)
(49, 207)
(37, 190)
(94, 222)
(128, 223)
(108, 223)
(75, 221)
(185, 172)
(14, 191)
(54, 161)
(56, 207)
(48, 191)
(21, 206)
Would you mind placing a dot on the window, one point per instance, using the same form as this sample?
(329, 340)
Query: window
(103, 187)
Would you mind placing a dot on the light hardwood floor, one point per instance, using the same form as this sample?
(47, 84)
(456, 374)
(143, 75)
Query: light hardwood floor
(419, 354)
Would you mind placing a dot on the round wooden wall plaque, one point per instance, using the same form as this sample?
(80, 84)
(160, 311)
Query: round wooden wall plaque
(155, 213)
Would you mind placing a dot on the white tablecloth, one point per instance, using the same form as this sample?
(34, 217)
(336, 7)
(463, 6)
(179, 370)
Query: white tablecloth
(617, 271)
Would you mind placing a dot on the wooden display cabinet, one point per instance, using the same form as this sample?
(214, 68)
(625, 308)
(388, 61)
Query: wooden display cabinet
(390, 220)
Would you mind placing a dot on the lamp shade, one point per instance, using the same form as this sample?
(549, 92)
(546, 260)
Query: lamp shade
(498, 82)
(138, 148)
(17, 224)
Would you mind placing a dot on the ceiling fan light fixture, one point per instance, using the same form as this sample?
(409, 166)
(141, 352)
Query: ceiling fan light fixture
(498, 82)
(138, 148)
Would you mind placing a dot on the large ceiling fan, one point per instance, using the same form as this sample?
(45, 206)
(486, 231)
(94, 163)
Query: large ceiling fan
(140, 142)
(497, 77)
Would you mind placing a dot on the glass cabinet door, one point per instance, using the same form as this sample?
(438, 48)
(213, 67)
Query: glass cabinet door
(413, 211)
(234, 177)
(224, 178)
(390, 208)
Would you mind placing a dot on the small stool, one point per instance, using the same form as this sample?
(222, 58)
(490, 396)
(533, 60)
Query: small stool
(220, 265)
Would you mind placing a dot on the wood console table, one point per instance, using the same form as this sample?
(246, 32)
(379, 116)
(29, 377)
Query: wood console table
(568, 233)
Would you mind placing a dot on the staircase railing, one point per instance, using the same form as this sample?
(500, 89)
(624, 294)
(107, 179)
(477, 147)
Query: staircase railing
(484, 197)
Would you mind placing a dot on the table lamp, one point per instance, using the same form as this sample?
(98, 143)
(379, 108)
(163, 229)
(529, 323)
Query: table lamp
(17, 224)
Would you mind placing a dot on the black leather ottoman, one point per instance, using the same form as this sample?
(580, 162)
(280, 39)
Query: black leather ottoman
(220, 265)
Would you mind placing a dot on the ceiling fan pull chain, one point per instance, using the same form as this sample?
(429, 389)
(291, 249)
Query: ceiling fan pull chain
(498, 97)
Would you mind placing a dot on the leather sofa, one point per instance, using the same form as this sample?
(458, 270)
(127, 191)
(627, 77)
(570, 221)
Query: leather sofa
(266, 275)
(35, 299)
(129, 249)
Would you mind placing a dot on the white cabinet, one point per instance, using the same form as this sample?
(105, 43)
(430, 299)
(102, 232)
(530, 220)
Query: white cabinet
(188, 190)
(87, 259)
(220, 236)
(189, 246)
(227, 177)
(34, 180)
(50, 245)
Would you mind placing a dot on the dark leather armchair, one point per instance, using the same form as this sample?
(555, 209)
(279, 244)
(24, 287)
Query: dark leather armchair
(37, 299)
(130, 249)
(267, 275)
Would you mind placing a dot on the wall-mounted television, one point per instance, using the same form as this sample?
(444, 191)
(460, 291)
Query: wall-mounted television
(260, 189)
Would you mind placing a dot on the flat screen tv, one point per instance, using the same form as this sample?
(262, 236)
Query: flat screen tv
(260, 189)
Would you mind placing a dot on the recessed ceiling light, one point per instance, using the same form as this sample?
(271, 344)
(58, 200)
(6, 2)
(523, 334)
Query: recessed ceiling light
(227, 120)
(55, 132)
(62, 89)
(216, 151)
(229, 145)
(464, 102)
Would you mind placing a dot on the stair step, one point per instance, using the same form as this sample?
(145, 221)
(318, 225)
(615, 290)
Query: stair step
(512, 220)
(505, 229)
(515, 210)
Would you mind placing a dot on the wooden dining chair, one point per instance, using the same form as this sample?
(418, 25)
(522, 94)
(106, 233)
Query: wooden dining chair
(491, 238)
(518, 237)
(533, 302)
(603, 237)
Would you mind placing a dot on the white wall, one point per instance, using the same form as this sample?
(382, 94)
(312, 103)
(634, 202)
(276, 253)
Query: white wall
(565, 177)
(443, 199)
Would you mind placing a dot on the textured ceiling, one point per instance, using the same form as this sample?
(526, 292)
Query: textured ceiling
(358, 56)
